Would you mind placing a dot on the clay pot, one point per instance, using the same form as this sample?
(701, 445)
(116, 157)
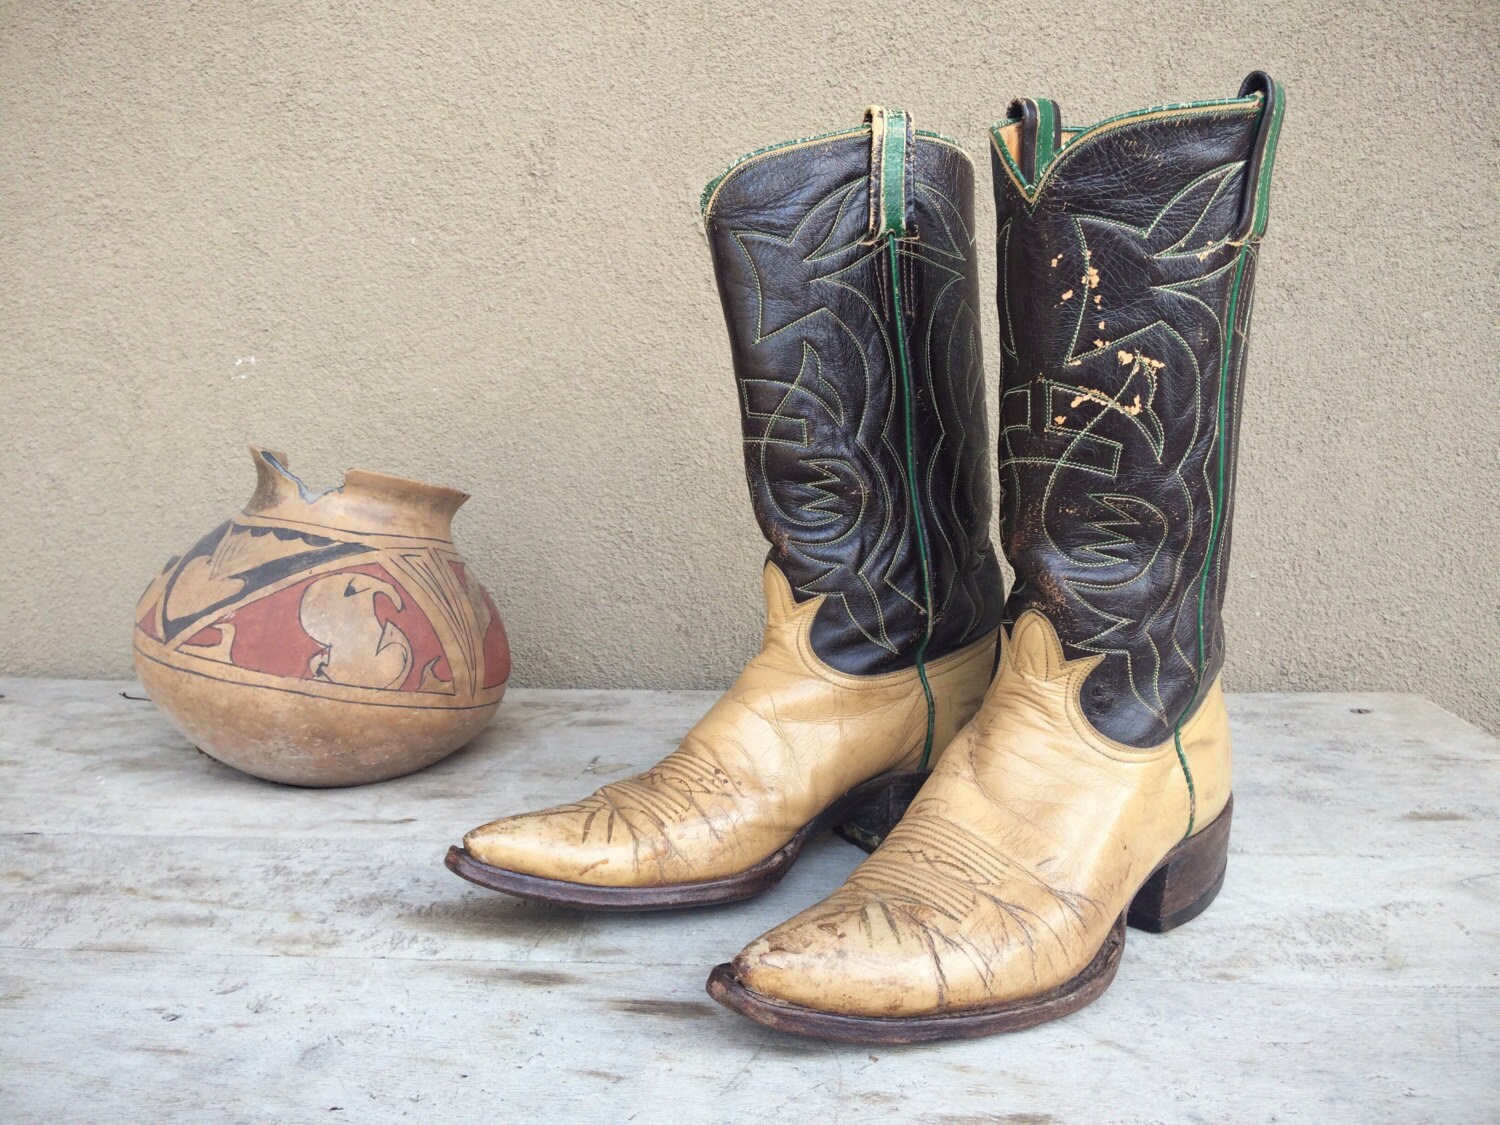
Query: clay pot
(325, 638)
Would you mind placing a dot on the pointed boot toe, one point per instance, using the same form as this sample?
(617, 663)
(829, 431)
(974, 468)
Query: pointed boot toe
(531, 844)
(791, 964)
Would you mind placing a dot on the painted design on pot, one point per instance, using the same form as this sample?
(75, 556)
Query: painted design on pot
(282, 641)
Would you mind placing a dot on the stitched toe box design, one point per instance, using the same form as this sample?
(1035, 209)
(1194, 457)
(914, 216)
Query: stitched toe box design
(849, 954)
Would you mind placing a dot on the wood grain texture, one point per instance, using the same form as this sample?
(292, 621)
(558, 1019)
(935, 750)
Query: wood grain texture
(178, 941)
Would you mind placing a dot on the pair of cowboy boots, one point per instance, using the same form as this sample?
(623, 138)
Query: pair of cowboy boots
(1077, 728)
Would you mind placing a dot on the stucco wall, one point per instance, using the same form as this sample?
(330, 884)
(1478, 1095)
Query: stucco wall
(460, 242)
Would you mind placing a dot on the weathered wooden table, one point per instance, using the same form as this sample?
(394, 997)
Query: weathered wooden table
(180, 942)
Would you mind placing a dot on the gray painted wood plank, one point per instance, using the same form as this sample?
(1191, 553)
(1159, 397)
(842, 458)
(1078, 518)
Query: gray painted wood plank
(254, 1038)
(178, 941)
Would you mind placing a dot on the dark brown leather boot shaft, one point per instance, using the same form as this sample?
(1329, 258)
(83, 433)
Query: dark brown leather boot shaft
(846, 268)
(1126, 260)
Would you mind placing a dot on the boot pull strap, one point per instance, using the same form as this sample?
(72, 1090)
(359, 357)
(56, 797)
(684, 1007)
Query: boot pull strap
(892, 145)
(1041, 134)
(1255, 207)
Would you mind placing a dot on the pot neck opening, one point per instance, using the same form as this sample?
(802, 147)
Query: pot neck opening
(364, 503)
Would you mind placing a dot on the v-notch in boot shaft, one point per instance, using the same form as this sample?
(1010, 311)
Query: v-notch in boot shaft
(1092, 787)
(846, 269)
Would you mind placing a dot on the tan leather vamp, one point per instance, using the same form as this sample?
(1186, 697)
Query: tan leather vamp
(788, 738)
(1014, 861)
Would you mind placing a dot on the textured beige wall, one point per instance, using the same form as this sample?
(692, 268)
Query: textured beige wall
(460, 242)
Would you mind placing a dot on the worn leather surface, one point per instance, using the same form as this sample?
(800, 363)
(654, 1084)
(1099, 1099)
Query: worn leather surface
(1115, 285)
(788, 738)
(1015, 859)
(807, 299)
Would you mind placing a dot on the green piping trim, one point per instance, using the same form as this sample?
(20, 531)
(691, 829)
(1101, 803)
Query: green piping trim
(1187, 773)
(944, 137)
(893, 252)
(1226, 357)
(1221, 421)
(1032, 188)
(713, 185)
(1172, 107)
(1263, 187)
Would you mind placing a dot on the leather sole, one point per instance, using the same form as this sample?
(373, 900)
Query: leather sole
(1180, 888)
(863, 816)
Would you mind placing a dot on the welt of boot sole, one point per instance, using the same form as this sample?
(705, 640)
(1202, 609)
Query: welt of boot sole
(671, 896)
(1182, 884)
(895, 1031)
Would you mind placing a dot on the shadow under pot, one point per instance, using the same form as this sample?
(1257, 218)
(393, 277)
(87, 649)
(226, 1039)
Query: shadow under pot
(325, 638)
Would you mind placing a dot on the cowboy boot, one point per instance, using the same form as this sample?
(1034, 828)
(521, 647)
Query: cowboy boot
(846, 269)
(1092, 789)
